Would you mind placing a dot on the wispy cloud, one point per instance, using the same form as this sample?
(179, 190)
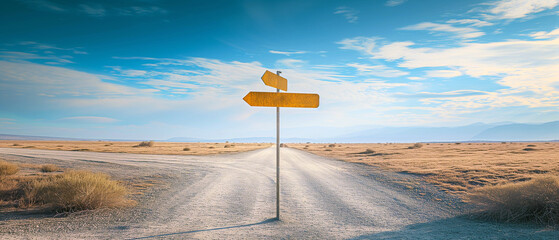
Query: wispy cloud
(349, 13)
(450, 94)
(514, 9)
(290, 63)
(519, 66)
(471, 22)
(287, 53)
(140, 11)
(443, 73)
(91, 119)
(377, 70)
(393, 3)
(545, 35)
(43, 46)
(50, 59)
(95, 9)
(461, 32)
(361, 44)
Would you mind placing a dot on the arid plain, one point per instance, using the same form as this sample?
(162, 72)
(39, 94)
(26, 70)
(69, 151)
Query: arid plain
(455, 167)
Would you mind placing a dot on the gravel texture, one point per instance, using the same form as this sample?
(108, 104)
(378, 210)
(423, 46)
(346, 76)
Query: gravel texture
(233, 197)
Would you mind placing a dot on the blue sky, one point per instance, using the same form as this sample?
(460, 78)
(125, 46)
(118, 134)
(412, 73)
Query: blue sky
(155, 69)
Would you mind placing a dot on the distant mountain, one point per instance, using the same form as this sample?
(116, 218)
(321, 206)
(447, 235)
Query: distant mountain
(521, 132)
(504, 131)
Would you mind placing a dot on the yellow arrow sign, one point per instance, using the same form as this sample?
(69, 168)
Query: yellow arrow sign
(272, 99)
(274, 80)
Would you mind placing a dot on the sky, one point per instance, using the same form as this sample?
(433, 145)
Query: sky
(156, 69)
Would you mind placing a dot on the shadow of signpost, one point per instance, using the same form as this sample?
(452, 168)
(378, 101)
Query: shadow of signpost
(211, 229)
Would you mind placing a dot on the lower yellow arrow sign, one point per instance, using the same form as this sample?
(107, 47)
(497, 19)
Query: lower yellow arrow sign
(275, 99)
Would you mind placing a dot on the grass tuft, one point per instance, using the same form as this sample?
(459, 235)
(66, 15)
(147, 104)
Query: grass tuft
(146, 144)
(186, 149)
(416, 145)
(536, 201)
(7, 168)
(49, 168)
(77, 190)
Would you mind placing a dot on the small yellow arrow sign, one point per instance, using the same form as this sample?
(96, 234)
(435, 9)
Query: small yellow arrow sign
(274, 80)
(272, 99)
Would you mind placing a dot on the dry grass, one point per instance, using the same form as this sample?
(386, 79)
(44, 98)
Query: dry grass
(69, 191)
(49, 168)
(455, 168)
(129, 147)
(77, 190)
(536, 200)
(146, 144)
(7, 169)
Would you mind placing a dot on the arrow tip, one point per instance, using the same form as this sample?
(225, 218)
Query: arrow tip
(246, 98)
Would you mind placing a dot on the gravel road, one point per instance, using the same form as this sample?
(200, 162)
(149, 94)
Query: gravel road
(233, 197)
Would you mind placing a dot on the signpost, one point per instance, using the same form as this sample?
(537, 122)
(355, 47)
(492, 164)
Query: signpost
(277, 99)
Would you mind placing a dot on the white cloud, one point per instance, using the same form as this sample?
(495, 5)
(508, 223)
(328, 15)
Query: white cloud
(416, 78)
(471, 22)
(513, 9)
(349, 13)
(443, 73)
(545, 35)
(461, 32)
(287, 53)
(393, 3)
(527, 70)
(377, 70)
(91, 119)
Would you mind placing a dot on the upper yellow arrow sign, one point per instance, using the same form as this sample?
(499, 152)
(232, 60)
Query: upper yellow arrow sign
(274, 80)
(272, 99)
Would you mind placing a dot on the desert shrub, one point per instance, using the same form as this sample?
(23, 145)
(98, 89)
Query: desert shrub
(329, 150)
(186, 149)
(227, 146)
(49, 168)
(15, 145)
(529, 149)
(77, 190)
(457, 143)
(146, 144)
(369, 151)
(416, 145)
(530, 145)
(283, 145)
(536, 201)
(211, 147)
(332, 145)
(7, 168)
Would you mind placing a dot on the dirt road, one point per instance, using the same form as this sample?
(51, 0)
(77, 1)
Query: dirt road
(233, 197)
